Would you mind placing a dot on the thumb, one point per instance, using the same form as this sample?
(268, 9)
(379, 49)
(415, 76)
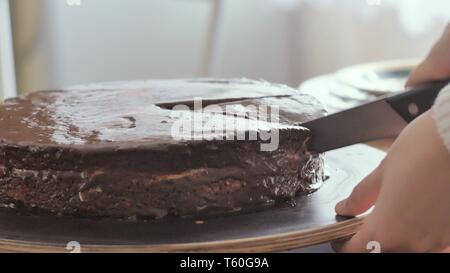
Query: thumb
(363, 195)
(422, 73)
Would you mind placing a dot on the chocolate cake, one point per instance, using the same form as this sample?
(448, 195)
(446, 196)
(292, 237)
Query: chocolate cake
(109, 150)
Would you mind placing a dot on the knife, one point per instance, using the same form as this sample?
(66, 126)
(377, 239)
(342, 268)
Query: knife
(383, 118)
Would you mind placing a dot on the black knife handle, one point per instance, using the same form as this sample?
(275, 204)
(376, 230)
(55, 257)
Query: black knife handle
(416, 100)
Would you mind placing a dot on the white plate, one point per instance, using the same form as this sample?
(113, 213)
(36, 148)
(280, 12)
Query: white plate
(378, 78)
(333, 94)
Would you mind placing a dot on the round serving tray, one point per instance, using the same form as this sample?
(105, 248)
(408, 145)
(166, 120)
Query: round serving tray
(311, 221)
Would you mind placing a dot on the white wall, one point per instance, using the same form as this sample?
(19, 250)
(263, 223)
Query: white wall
(7, 69)
(104, 40)
(347, 32)
(111, 40)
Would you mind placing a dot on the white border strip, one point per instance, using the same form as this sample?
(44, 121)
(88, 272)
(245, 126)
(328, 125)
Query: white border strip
(7, 66)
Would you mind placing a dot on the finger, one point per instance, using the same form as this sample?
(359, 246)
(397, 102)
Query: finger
(420, 74)
(360, 241)
(376, 236)
(363, 195)
(447, 250)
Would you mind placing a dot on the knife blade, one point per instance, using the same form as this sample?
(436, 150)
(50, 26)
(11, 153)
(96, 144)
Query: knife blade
(382, 118)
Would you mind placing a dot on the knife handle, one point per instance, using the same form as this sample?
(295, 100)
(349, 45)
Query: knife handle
(416, 100)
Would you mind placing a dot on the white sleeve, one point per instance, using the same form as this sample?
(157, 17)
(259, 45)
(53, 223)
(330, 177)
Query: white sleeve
(441, 115)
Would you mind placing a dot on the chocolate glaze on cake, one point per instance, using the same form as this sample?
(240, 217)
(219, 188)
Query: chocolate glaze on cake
(106, 150)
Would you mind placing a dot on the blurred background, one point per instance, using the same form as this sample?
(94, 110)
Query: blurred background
(55, 43)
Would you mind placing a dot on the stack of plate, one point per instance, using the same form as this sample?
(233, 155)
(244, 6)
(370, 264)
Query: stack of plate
(359, 84)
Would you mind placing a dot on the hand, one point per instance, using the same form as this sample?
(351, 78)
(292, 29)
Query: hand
(436, 65)
(411, 193)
